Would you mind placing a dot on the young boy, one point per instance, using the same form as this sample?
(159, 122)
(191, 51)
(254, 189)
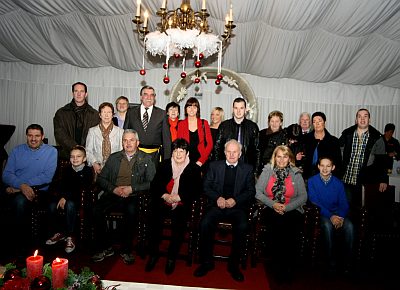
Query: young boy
(327, 192)
(67, 199)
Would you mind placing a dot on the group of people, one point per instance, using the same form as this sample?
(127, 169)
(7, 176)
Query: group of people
(230, 162)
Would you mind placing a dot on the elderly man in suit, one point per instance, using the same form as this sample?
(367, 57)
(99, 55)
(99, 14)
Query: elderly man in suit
(229, 186)
(151, 124)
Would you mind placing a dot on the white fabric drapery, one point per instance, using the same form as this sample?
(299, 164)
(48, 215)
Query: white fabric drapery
(32, 94)
(348, 41)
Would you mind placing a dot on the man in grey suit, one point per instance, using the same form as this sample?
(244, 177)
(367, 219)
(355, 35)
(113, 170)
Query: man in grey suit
(151, 124)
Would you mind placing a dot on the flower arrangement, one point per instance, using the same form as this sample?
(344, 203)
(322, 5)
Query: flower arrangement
(14, 278)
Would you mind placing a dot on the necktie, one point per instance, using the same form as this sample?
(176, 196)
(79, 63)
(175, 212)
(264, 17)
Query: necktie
(231, 166)
(239, 137)
(145, 120)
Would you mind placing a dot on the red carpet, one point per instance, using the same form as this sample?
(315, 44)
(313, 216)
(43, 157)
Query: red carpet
(114, 269)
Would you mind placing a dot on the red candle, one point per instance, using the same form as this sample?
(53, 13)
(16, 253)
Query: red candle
(59, 269)
(34, 266)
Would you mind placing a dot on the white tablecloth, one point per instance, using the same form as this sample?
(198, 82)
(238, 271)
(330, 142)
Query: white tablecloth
(144, 286)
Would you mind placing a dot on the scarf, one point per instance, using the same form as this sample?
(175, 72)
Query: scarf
(279, 188)
(173, 125)
(106, 145)
(177, 170)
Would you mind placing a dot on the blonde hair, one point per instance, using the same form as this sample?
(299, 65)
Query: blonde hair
(277, 114)
(286, 151)
(221, 112)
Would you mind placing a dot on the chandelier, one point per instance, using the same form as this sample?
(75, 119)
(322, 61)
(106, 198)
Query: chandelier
(182, 33)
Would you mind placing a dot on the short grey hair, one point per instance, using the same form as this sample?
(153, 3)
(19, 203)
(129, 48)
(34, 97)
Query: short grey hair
(233, 141)
(126, 131)
(305, 114)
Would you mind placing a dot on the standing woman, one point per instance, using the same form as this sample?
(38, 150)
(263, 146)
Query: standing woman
(122, 105)
(271, 137)
(103, 139)
(217, 116)
(281, 188)
(196, 132)
(173, 111)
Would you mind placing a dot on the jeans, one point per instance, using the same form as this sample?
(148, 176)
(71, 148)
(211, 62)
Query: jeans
(328, 232)
(69, 220)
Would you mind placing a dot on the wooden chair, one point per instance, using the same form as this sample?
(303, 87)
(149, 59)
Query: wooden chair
(223, 236)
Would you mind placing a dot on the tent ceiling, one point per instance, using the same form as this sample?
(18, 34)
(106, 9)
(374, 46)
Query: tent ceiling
(347, 41)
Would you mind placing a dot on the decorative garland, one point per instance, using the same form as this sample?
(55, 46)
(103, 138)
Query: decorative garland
(14, 278)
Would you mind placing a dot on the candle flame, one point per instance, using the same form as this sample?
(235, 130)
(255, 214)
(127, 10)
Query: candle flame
(35, 254)
(58, 260)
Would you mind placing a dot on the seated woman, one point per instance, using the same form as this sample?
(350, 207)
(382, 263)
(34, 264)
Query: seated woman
(175, 186)
(327, 192)
(103, 139)
(197, 132)
(281, 188)
(67, 199)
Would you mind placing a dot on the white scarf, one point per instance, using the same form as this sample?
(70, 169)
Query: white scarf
(177, 170)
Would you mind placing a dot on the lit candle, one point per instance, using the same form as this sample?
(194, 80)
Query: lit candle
(138, 7)
(34, 266)
(204, 5)
(146, 15)
(163, 4)
(59, 269)
(230, 14)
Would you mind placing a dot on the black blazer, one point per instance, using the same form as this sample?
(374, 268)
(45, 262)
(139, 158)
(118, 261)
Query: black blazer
(244, 191)
(157, 133)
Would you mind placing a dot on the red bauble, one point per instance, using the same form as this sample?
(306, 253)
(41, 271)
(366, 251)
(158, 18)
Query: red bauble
(177, 55)
(201, 56)
(165, 65)
(166, 80)
(142, 72)
(197, 80)
(96, 281)
(197, 64)
(11, 274)
(217, 82)
(220, 77)
(183, 75)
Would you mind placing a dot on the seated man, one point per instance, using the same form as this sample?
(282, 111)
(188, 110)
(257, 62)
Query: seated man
(124, 175)
(229, 185)
(30, 167)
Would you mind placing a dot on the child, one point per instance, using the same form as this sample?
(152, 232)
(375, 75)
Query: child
(67, 198)
(327, 192)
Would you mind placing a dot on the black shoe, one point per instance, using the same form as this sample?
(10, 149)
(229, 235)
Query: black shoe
(151, 263)
(203, 269)
(236, 274)
(170, 267)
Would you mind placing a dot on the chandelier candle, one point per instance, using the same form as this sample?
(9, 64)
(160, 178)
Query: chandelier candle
(34, 266)
(59, 269)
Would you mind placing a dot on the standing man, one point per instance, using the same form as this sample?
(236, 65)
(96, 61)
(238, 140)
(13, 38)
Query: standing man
(126, 174)
(392, 145)
(72, 122)
(29, 170)
(359, 158)
(229, 186)
(151, 124)
(242, 130)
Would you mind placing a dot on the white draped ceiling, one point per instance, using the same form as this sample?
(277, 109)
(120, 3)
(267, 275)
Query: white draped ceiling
(298, 55)
(347, 41)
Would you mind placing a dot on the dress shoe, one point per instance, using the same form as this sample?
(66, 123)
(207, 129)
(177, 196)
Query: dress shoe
(151, 263)
(236, 274)
(203, 269)
(170, 267)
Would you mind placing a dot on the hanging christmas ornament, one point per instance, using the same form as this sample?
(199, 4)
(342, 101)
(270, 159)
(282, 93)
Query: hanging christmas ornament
(220, 77)
(201, 55)
(183, 74)
(197, 63)
(177, 55)
(197, 80)
(217, 82)
(166, 80)
(142, 72)
(165, 66)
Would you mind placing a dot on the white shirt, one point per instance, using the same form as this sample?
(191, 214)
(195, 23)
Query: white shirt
(234, 164)
(142, 110)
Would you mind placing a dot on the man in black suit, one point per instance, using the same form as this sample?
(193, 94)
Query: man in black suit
(151, 124)
(229, 186)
